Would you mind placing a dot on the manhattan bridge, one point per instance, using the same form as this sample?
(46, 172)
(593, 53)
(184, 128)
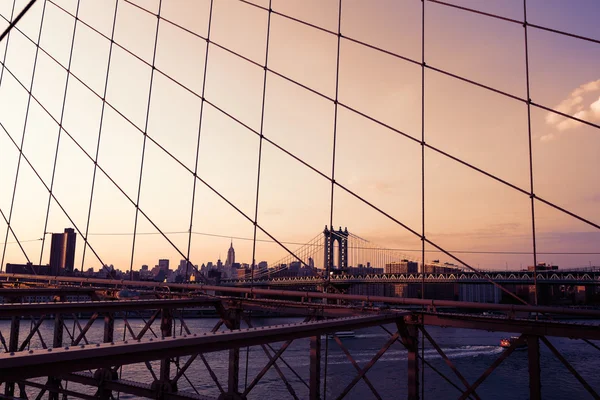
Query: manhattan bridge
(459, 131)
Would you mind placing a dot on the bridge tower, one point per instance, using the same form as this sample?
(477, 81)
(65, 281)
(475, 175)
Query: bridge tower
(330, 238)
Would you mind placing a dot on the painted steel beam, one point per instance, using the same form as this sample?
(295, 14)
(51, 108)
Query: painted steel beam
(308, 295)
(523, 326)
(533, 359)
(130, 387)
(20, 309)
(298, 308)
(43, 291)
(24, 365)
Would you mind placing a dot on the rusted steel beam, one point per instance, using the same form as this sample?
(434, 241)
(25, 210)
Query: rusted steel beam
(233, 375)
(43, 291)
(41, 363)
(182, 370)
(249, 323)
(54, 383)
(356, 366)
(13, 345)
(217, 326)
(298, 308)
(76, 323)
(533, 358)
(3, 341)
(370, 364)
(266, 368)
(85, 329)
(277, 369)
(129, 328)
(570, 368)
(410, 340)
(492, 367)
(166, 330)
(148, 325)
(190, 360)
(32, 332)
(315, 368)
(109, 328)
(70, 393)
(434, 369)
(211, 373)
(133, 388)
(42, 341)
(287, 384)
(36, 309)
(448, 361)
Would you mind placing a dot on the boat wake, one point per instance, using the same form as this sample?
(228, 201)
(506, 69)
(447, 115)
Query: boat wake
(453, 353)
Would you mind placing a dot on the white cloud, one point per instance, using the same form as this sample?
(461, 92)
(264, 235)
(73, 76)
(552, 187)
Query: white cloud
(577, 106)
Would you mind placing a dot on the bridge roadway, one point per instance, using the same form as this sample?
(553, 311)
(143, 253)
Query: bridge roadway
(506, 277)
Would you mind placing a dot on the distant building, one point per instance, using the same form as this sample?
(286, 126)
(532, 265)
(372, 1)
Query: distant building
(163, 265)
(542, 267)
(62, 252)
(28, 268)
(361, 270)
(436, 268)
(402, 267)
(230, 256)
(185, 268)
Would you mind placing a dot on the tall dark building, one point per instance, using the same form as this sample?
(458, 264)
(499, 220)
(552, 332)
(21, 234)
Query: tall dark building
(71, 240)
(62, 251)
(230, 256)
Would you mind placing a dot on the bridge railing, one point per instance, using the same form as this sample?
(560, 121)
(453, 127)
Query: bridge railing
(156, 348)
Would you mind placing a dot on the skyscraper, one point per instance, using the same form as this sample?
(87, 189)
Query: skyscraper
(163, 265)
(230, 256)
(70, 256)
(62, 251)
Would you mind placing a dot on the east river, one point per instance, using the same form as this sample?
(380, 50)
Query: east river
(471, 351)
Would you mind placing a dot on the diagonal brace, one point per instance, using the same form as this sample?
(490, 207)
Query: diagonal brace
(85, 329)
(32, 332)
(356, 366)
(367, 367)
(80, 328)
(267, 367)
(448, 361)
(492, 367)
(570, 368)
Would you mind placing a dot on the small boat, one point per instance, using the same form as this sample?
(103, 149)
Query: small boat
(507, 342)
(342, 334)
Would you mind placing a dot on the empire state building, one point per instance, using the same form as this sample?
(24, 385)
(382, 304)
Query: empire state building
(230, 256)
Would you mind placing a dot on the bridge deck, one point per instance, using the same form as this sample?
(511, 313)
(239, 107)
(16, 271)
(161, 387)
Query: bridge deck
(34, 363)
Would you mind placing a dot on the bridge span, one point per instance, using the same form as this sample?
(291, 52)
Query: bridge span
(159, 336)
(581, 277)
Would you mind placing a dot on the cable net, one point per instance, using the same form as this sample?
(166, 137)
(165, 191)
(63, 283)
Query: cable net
(162, 131)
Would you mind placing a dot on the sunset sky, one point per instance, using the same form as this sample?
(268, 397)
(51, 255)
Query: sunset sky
(465, 211)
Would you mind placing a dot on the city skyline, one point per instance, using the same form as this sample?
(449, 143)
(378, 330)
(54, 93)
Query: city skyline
(464, 210)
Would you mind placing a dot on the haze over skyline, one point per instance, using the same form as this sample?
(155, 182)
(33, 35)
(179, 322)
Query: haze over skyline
(380, 162)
